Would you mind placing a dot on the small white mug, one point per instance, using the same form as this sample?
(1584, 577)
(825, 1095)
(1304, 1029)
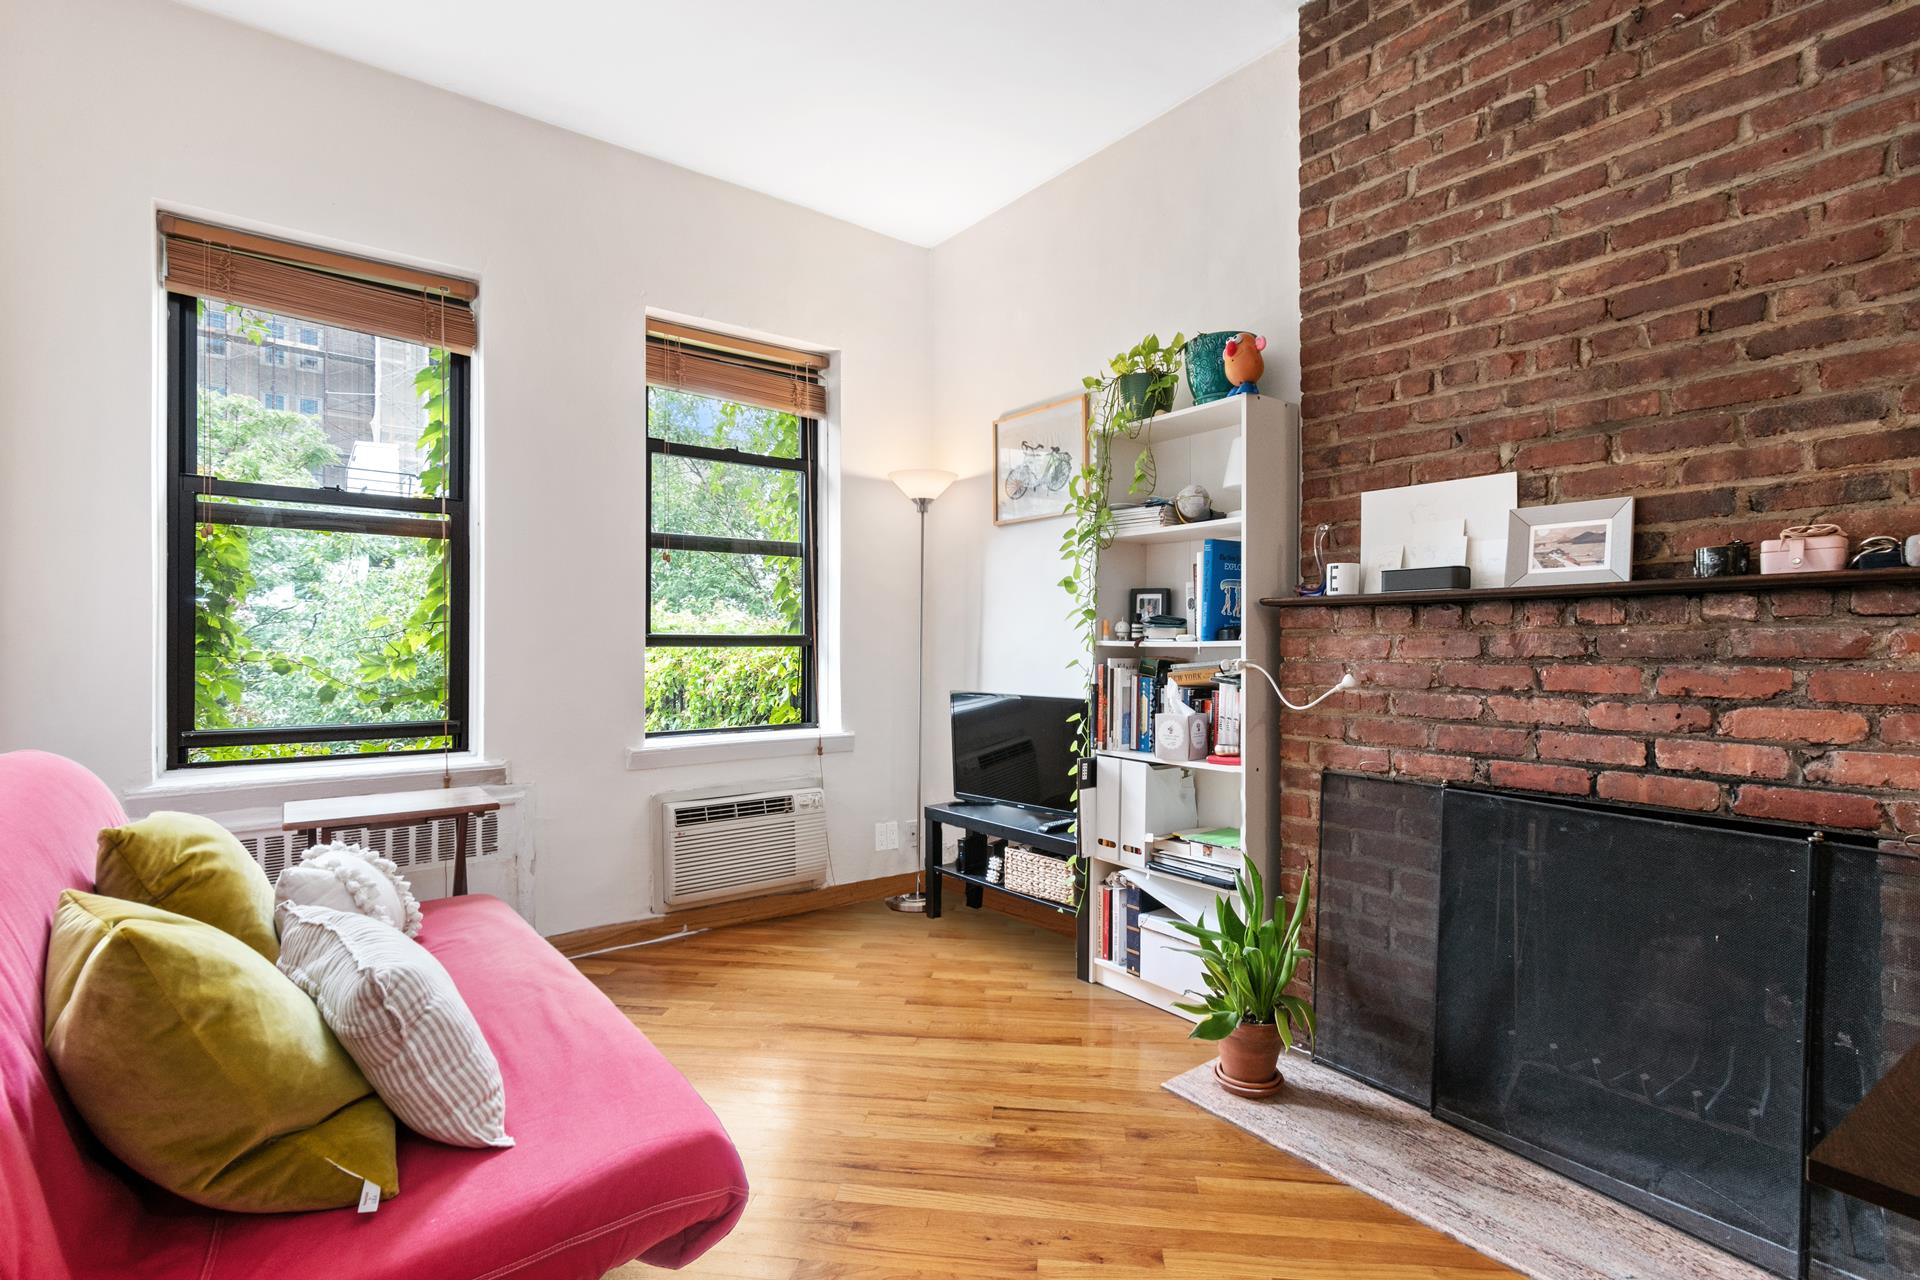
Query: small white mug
(1343, 578)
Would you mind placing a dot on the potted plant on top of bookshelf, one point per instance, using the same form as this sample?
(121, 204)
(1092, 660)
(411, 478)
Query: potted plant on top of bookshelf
(1143, 376)
(1249, 959)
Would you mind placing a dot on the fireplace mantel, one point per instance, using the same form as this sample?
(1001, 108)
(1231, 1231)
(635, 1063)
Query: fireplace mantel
(1752, 582)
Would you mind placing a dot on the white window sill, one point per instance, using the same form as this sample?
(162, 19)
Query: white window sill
(716, 748)
(309, 778)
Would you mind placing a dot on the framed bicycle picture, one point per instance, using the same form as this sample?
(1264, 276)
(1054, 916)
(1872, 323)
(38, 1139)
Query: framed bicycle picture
(1036, 452)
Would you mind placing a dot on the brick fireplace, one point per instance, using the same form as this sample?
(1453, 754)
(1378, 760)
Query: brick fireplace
(1667, 251)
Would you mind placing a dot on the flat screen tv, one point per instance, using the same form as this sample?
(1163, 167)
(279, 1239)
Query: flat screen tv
(1014, 749)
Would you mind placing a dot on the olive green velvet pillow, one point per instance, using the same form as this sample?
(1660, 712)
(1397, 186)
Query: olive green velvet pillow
(186, 864)
(203, 1067)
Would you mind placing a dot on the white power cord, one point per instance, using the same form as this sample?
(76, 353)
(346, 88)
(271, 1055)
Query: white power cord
(1233, 665)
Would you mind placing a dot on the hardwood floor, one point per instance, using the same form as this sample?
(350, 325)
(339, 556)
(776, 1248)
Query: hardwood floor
(918, 1098)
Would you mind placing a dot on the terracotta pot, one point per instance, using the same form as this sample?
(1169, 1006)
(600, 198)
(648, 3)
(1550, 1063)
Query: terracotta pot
(1251, 1055)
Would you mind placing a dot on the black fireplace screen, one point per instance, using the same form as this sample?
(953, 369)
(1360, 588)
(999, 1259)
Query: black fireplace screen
(1669, 1009)
(1623, 998)
(1376, 913)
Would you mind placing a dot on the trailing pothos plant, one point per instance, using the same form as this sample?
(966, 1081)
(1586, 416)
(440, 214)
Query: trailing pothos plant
(1137, 383)
(1249, 959)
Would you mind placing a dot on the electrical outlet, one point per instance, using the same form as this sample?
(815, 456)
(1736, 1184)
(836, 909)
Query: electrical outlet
(886, 836)
(893, 835)
(913, 835)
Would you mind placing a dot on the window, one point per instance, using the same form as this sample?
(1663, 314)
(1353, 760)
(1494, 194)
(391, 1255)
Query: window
(306, 361)
(309, 336)
(732, 461)
(216, 346)
(274, 355)
(307, 617)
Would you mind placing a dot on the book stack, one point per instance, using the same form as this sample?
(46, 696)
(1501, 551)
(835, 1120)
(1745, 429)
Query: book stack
(1143, 515)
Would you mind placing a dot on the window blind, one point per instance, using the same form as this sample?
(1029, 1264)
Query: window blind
(784, 379)
(393, 301)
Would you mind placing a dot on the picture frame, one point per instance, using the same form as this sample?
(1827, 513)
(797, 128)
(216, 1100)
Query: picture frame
(1145, 602)
(1036, 453)
(1570, 542)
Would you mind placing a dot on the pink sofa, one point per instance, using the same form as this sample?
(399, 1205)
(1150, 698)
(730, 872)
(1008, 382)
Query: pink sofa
(617, 1156)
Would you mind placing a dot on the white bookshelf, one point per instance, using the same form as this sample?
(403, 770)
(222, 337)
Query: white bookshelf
(1195, 446)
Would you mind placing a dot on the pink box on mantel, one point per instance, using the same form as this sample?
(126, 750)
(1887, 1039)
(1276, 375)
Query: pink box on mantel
(1816, 554)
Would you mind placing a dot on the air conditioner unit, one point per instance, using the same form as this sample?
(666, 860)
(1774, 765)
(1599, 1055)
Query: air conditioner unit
(721, 847)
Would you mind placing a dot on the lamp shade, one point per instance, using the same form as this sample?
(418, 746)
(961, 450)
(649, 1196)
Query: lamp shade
(922, 482)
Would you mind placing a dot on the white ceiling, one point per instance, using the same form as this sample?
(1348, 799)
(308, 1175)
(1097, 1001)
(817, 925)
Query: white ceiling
(914, 119)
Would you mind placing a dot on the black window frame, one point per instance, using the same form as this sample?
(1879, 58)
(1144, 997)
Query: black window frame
(806, 464)
(366, 513)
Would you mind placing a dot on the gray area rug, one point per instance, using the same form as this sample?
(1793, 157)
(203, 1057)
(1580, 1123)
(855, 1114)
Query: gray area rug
(1506, 1207)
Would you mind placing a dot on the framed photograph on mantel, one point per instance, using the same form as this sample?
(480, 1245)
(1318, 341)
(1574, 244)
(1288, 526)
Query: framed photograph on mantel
(1036, 452)
(1572, 542)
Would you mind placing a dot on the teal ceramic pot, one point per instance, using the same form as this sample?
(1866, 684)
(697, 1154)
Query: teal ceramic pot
(1206, 369)
(1136, 401)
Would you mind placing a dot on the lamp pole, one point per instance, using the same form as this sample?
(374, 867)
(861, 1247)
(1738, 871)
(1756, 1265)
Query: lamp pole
(922, 487)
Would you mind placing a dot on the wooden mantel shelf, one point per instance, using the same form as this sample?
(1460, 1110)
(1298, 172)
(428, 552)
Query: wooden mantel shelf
(1638, 587)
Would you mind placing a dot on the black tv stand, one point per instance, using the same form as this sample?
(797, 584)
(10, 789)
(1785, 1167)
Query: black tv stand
(981, 820)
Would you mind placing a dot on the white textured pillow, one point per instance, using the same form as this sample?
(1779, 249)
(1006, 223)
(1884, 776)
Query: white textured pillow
(351, 877)
(399, 1016)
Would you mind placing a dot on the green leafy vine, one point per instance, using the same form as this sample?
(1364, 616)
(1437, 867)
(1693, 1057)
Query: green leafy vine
(1137, 383)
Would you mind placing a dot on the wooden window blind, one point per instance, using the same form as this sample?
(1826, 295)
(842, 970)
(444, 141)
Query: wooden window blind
(718, 364)
(207, 261)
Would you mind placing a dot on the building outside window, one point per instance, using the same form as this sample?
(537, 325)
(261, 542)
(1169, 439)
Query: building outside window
(306, 615)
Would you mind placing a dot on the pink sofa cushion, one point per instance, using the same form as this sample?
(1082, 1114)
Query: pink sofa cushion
(617, 1156)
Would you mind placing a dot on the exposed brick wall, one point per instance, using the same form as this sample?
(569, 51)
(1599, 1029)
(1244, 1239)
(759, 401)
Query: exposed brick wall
(1667, 250)
(1801, 705)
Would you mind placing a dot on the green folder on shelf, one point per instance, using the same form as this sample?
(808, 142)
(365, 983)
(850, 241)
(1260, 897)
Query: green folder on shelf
(1218, 837)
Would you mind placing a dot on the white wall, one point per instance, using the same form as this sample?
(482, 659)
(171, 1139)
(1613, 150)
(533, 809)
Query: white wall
(1189, 224)
(113, 108)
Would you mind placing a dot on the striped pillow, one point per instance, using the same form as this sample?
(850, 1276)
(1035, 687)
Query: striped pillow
(399, 1016)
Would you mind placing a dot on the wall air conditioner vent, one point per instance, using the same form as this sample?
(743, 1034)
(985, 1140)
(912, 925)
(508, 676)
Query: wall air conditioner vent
(693, 815)
(721, 847)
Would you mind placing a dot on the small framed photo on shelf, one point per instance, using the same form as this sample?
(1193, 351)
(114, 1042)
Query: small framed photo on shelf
(1148, 602)
(1572, 542)
(1036, 452)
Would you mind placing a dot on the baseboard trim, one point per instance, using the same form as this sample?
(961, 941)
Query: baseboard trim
(744, 911)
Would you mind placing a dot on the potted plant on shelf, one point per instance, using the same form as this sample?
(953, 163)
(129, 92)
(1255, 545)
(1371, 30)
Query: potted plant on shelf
(1249, 959)
(1143, 376)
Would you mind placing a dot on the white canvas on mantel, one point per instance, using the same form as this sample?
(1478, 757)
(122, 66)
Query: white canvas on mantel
(1393, 519)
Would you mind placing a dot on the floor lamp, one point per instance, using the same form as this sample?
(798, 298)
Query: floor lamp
(922, 486)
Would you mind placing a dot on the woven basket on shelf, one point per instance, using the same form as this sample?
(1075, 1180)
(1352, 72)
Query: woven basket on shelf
(1038, 874)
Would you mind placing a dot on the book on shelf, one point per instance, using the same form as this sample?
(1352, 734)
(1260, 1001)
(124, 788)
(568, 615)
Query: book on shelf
(1217, 566)
(1132, 921)
(1227, 721)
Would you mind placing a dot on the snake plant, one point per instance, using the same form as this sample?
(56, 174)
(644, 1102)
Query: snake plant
(1249, 959)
